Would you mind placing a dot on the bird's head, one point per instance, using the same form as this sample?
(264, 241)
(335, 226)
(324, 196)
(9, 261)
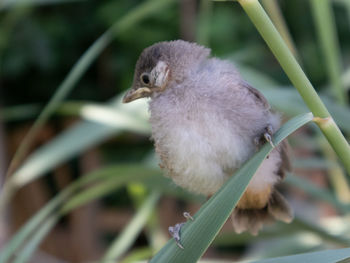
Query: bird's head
(161, 64)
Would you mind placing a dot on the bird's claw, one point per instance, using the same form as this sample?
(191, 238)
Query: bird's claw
(175, 230)
(188, 216)
(267, 136)
(175, 233)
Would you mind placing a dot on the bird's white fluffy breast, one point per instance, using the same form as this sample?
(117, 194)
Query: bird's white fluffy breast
(200, 129)
(199, 151)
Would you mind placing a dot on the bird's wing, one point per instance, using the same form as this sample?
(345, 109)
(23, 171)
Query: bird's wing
(284, 150)
(259, 97)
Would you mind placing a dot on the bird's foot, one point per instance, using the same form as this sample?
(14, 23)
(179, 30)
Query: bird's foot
(175, 233)
(175, 230)
(267, 136)
(188, 216)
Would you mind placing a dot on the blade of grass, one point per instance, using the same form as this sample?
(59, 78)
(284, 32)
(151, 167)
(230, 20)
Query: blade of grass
(232, 239)
(197, 235)
(154, 234)
(346, 260)
(281, 230)
(318, 193)
(314, 163)
(326, 256)
(340, 240)
(104, 187)
(129, 234)
(75, 195)
(291, 67)
(284, 231)
(40, 233)
(326, 29)
(156, 237)
(346, 77)
(296, 243)
(73, 141)
(137, 255)
(337, 177)
(109, 116)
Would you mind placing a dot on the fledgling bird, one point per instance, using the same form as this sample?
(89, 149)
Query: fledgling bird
(206, 122)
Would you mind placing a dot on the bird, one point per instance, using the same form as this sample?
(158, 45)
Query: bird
(206, 122)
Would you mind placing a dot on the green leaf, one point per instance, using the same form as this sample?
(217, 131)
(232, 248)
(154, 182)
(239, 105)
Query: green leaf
(76, 194)
(197, 235)
(317, 192)
(282, 230)
(127, 237)
(137, 255)
(327, 34)
(326, 256)
(81, 136)
(323, 233)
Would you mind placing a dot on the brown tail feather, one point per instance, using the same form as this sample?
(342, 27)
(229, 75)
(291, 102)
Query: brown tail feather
(252, 220)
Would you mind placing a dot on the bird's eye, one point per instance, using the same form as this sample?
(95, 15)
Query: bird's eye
(145, 78)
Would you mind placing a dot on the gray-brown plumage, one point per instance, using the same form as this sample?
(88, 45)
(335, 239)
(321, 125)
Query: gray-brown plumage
(206, 122)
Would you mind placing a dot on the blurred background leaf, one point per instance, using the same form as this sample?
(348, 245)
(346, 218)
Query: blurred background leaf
(58, 215)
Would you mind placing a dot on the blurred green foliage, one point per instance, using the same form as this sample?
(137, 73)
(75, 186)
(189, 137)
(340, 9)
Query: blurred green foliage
(40, 43)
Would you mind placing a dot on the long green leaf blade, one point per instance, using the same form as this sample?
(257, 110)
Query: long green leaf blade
(326, 256)
(326, 29)
(76, 139)
(317, 192)
(73, 196)
(126, 238)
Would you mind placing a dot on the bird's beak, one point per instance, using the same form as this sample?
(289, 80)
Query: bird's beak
(135, 94)
(159, 80)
